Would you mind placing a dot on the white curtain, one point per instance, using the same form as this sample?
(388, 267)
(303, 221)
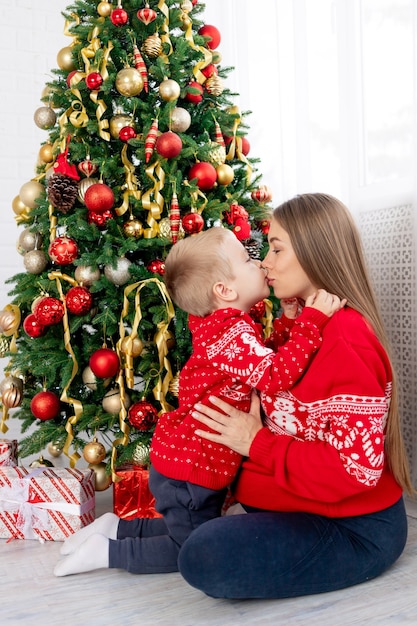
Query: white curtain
(332, 88)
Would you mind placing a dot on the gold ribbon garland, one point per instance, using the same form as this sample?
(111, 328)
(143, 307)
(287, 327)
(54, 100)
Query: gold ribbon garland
(162, 6)
(131, 183)
(235, 148)
(207, 54)
(162, 335)
(77, 406)
(155, 206)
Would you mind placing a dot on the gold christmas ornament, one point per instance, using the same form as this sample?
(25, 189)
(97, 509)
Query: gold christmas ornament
(44, 118)
(132, 346)
(28, 240)
(46, 154)
(9, 320)
(48, 93)
(140, 454)
(216, 57)
(152, 46)
(64, 59)
(104, 9)
(11, 397)
(129, 82)
(11, 381)
(214, 85)
(55, 449)
(35, 261)
(169, 90)
(225, 174)
(186, 6)
(102, 478)
(86, 275)
(117, 122)
(30, 192)
(41, 462)
(94, 452)
(83, 185)
(133, 228)
(217, 154)
(164, 229)
(180, 120)
(4, 346)
(112, 402)
(18, 206)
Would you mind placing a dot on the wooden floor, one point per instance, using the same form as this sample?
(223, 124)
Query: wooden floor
(31, 595)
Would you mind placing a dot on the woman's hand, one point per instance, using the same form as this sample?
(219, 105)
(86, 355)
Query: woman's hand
(233, 428)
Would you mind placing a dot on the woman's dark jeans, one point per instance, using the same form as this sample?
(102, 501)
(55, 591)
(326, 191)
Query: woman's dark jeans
(264, 554)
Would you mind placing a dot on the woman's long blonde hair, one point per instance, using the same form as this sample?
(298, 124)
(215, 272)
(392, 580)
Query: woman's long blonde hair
(328, 246)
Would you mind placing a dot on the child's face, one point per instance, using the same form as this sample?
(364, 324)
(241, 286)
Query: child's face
(250, 280)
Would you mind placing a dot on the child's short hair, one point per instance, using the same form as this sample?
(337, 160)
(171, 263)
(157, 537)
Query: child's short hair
(194, 265)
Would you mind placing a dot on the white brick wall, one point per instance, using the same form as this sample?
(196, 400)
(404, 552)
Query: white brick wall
(31, 35)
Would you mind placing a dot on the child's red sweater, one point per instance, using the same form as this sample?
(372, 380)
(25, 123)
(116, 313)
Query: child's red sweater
(229, 359)
(325, 453)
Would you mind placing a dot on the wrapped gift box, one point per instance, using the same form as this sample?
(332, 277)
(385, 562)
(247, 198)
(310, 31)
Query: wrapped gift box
(8, 452)
(131, 495)
(45, 503)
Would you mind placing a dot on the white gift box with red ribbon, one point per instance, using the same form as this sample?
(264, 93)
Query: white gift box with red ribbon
(8, 452)
(45, 503)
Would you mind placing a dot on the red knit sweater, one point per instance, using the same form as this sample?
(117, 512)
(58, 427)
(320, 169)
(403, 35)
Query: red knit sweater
(229, 359)
(326, 452)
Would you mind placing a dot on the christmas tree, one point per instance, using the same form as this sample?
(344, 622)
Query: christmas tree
(144, 146)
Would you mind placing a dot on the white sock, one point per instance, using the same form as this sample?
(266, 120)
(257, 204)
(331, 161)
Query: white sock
(105, 525)
(90, 555)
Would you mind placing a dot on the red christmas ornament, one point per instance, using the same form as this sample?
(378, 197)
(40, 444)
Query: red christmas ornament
(262, 194)
(94, 80)
(32, 327)
(126, 133)
(119, 17)
(87, 167)
(156, 267)
(205, 173)
(140, 65)
(168, 145)
(214, 36)
(235, 212)
(195, 97)
(79, 300)
(264, 226)
(49, 311)
(242, 229)
(45, 405)
(257, 312)
(192, 223)
(104, 363)
(245, 146)
(146, 15)
(209, 70)
(70, 75)
(142, 415)
(63, 250)
(99, 198)
(99, 219)
(194, 2)
(150, 140)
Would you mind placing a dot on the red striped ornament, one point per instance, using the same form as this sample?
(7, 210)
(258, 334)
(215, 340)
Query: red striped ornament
(218, 134)
(174, 218)
(146, 15)
(150, 140)
(140, 65)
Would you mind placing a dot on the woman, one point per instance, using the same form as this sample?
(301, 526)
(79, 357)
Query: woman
(323, 492)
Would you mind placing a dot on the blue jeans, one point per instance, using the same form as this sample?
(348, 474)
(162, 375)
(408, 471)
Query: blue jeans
(267, 554)
(151, 546)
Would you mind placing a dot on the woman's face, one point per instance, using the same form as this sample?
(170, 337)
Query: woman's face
(284, 272)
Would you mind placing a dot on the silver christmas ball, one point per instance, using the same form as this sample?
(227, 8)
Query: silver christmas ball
(44, 117)
(86, 275)
(180, 120)
(112, 402)
(118, 275)
(35, 261)
(28, 240)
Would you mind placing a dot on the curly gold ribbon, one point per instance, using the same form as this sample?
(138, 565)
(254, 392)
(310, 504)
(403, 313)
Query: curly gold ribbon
(77, 406)
(162, 6)
(267, 320)
(131, 183)
(207, 55)
(155, 206)
(235, 149)
(5, 416)
(161, 388)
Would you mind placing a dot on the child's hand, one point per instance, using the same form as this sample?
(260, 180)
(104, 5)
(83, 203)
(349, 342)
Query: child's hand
(290, 307)
(325, 302)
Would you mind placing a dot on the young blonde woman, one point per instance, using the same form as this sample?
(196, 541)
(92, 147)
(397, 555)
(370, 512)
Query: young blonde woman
(324, 473)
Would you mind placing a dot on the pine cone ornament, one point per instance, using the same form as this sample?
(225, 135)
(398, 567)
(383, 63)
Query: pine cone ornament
(62, 192)
(253, 248)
